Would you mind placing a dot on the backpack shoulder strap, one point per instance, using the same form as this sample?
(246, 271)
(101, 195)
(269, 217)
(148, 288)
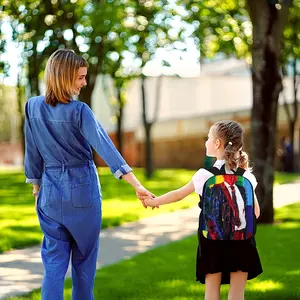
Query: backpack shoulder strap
(213, 170)
(239, 171)
(222, 170)
(216, 171)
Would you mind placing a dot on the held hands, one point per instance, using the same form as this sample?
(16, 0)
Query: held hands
(144, 194)
(151, 202)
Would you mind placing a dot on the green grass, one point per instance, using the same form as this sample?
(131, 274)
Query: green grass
(282, 178)
(19, 226)
(168, 272)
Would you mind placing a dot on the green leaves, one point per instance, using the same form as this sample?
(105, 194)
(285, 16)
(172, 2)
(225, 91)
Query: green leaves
(291, 44)
(221, 27)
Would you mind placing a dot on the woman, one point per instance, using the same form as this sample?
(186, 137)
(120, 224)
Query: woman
(59, 135)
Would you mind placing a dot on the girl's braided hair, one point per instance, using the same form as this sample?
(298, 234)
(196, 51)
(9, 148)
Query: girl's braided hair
(231, 134)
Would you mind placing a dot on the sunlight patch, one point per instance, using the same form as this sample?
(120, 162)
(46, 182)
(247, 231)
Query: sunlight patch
(173, 283)
(289, 225)
(293, 272)
(264, 286)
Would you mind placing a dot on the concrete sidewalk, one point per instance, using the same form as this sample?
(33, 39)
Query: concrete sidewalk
(21, 270)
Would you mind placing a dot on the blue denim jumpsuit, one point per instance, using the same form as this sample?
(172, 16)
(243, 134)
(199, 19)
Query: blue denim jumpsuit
(58, 157)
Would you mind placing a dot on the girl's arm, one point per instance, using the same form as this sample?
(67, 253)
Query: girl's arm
(172, 196)
(256, 207)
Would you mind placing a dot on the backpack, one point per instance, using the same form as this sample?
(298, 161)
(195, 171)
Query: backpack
(227, 206)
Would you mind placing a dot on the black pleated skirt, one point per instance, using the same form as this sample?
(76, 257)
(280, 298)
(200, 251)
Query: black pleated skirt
(227, 257)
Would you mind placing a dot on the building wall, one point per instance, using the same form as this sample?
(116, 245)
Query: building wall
(180, 98)
(181, 143)
(11, 153)
(130, 149)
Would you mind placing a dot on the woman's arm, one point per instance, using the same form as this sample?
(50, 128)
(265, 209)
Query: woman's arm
(35, 193)
(256, 207)
(132, 180)
(33, 161)
(172, 196)
(141, 192)
(98, 138)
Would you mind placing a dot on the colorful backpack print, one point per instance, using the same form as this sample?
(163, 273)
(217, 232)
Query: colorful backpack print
(227, 205)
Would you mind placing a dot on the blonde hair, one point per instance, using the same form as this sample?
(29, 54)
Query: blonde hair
(60, 75)
(231, 134)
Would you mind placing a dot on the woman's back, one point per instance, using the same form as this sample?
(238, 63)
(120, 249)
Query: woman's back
(57, 131)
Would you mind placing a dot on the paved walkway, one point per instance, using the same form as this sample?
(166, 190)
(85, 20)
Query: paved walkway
(21, 270)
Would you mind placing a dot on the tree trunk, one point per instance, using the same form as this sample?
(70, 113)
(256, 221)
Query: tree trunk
(120, 120)
(86, 93)
(33, 74)
(148, 146)
(20, 98)
(268, 23)
(93, 71)
(292, 119)
(298, 153)
(147, 128)
(295, 112)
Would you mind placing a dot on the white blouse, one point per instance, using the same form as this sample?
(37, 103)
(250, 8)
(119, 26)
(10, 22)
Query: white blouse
(202, 175)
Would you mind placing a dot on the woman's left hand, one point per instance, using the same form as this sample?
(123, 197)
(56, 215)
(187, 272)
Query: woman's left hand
(150, 202)
(142, 193)
(36, 198)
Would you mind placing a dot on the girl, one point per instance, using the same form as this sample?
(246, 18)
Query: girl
(59, 134)
(221, 261)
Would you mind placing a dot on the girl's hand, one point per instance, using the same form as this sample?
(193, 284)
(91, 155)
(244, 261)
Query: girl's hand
(142, 194)
(151, 202)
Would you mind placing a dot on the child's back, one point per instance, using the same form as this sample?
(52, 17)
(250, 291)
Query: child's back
(227, 251)
(222, 247)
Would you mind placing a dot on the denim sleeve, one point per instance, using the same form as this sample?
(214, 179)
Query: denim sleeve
(97, 137)
(33, 162)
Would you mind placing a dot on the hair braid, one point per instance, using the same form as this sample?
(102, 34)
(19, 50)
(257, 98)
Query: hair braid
(231, 134)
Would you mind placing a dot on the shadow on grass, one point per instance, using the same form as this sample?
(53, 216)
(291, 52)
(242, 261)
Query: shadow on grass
(18, 237)
(282, 178)
(116, 221)
(26, 229)
(285, 220)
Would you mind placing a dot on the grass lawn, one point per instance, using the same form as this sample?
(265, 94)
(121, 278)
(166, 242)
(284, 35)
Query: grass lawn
(19, 225)
(282, 178)
(168, 272)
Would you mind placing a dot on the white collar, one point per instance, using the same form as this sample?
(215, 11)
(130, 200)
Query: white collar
(219, 163)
